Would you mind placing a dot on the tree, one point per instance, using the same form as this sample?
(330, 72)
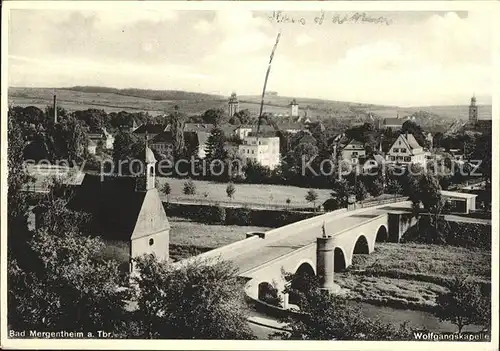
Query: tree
(325, 316)
(177, 130)
(71, 289)
(394, 187)
(215, 149)
(67, 140)
(17, 201)
(341, 192)
(166, 189)
(361, 192)
(243, 116)
(189, 188)
(376, 187)
(93, 118)
(464, 304)
(198, 300)
(230, 190)
(214, 116)
(288, 201)
(312, 196)
(126, 147)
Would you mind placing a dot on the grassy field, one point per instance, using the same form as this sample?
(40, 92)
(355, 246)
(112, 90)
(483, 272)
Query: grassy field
(251, 193)
(187, 239)
(186, 232)
(411, 275)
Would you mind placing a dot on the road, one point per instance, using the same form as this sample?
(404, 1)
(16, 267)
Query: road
(272, 249)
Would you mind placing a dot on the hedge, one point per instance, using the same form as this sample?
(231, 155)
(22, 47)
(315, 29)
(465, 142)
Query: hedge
(243, 216)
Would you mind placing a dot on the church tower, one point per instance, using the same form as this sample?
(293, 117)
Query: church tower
(147, 180)
(294, 106)
(473, 110)
(150, 167)
(233, 105)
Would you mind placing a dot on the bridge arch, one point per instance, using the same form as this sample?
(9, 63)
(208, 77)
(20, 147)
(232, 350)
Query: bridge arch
(382, 234)
(339, 260)
(302, 281)
(361, 245)
(305, 265)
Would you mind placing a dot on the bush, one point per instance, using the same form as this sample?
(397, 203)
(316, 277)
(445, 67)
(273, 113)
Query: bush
(189, 188)
(218, 214)
(451, 233)
(239, 216)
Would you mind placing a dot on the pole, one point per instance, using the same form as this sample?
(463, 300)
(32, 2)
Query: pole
(265, 83)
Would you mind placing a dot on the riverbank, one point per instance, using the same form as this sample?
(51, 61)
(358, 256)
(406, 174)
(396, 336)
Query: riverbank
(411, 276)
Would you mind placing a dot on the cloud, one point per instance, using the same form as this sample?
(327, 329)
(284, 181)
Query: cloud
(303, 39)
(429, 59)
(122, 17)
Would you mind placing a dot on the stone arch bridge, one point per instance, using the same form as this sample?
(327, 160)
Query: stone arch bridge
(319, 245)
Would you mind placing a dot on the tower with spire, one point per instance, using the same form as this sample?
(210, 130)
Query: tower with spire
(473, 110)
(294, 108)
(233, 104)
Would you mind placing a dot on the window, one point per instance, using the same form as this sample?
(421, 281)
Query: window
(407, 159)
(395, 150)
(399, 143)
(151, 242)
(253, 151)
(393, 158)
(354, 154)
(403, 150)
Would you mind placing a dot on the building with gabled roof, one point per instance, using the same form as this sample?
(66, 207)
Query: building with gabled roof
(353, 151)
(126, 209)
(150, 129)
(406, 150)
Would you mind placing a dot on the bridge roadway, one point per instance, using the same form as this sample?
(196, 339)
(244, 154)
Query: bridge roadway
(271, 248)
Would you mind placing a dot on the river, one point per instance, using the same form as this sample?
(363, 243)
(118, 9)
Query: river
(415, 319)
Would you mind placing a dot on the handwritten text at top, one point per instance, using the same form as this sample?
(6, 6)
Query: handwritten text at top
(324, 18)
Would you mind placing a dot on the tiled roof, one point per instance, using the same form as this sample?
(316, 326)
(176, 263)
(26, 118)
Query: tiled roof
(150, 128)
(198, 127)
(412, 142)
(115, 207)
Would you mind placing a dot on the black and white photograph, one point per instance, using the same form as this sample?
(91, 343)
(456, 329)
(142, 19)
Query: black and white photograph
(247, 175)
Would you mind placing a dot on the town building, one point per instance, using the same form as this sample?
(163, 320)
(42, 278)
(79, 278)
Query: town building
(397, 123)
(198, 127)
(233, 105)
(262, 150)
(406, 150)
(92, 147)
(151, 129)
(163, 143)
(242, 131)
(459, 202)
(102, 138)
(353, 151)
(294, 108)
(473, 110)
(42, 174)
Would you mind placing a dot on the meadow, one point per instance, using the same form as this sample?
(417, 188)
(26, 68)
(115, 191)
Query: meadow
(264, 194)
(411, 275)
(135, 100)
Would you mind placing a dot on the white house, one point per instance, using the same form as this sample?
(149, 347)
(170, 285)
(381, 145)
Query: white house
(353, 151)
(406, 150)
(263, 150)
(242, 131)
(92, 147)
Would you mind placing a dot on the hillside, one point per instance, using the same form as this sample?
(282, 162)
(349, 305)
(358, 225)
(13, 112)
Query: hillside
(157, 102)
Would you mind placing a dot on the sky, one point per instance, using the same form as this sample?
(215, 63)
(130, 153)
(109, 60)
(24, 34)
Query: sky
(408, 59)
